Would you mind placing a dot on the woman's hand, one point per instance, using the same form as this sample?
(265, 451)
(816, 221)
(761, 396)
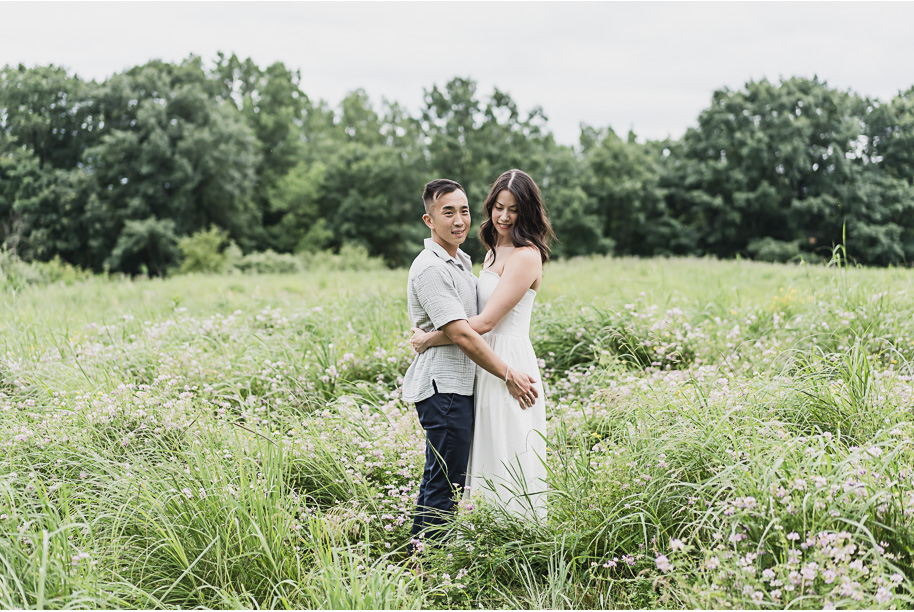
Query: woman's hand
(419, 341)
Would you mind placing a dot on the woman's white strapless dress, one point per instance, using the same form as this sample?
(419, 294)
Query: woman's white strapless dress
(508, 454)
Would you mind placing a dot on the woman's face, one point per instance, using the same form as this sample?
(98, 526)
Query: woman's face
(504, 214)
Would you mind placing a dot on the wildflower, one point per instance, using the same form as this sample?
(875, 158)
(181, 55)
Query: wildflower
(676, 545)
(75, 559)
(663, 564)
(849, 588)
(809, 571)
(745, 502)
(883, 595)
(793, 536)
(417, 544)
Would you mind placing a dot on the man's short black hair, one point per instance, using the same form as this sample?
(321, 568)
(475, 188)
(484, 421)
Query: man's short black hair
(437, 188)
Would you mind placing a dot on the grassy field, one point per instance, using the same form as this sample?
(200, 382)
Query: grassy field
(721, 435)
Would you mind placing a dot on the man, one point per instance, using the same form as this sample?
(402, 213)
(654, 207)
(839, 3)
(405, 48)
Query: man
(441, 294)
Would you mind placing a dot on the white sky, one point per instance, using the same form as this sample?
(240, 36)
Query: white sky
(648, 66)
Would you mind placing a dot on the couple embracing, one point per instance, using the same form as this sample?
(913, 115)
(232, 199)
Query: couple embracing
(479, 399)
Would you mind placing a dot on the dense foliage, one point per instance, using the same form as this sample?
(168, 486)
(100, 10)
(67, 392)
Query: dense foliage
(113, 175)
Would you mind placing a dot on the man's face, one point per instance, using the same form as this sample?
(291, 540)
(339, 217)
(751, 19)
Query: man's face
(449, 220)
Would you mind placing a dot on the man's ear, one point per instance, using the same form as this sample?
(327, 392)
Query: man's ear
(428, 220)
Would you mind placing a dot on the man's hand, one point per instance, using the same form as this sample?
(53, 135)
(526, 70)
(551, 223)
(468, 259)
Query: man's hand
(418, 340)
(520, 386)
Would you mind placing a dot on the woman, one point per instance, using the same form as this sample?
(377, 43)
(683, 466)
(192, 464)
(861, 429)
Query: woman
(507, 458)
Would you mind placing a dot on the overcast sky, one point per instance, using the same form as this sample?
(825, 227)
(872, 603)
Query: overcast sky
(647, 66)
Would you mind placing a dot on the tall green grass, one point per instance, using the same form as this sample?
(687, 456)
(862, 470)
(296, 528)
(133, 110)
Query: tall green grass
(721, 434)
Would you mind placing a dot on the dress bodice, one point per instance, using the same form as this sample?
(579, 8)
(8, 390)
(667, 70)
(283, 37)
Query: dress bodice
(517, 321)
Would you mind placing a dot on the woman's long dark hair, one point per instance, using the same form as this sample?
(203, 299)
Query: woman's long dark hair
(532, 227)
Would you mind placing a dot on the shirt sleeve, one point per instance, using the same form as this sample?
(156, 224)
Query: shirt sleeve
(438, 296)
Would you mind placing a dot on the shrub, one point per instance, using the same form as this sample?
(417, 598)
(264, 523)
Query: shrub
(205, 251)
(16, 274)
(770, 249)
(350, 257)
(270, 262)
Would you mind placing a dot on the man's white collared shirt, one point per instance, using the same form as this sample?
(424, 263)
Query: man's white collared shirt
(440, 289)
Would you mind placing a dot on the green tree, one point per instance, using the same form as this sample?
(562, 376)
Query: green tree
(890, 135)
(296, 200)
(41, 211)
(170, 151)
(624, 185)
(272, 104)
(473, 141)
(375, 171)
(890, 153)
(49, 113)
(784, 162)
(47, 121)
(377, 196)
(145, 246)
(574, 214)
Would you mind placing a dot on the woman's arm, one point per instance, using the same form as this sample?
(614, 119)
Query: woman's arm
(522, 269)
(422, 340)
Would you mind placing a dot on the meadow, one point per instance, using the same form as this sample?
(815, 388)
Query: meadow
(721, 435)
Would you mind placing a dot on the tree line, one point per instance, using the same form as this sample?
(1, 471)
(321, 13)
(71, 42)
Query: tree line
(113, 175)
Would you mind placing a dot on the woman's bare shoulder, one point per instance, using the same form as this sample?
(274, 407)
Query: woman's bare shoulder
(526, 255)
(524, 258)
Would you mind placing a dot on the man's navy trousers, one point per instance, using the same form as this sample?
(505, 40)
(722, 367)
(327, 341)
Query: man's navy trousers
(447, 419)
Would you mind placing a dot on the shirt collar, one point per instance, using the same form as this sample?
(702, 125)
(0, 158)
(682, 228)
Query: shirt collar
(462, 258)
